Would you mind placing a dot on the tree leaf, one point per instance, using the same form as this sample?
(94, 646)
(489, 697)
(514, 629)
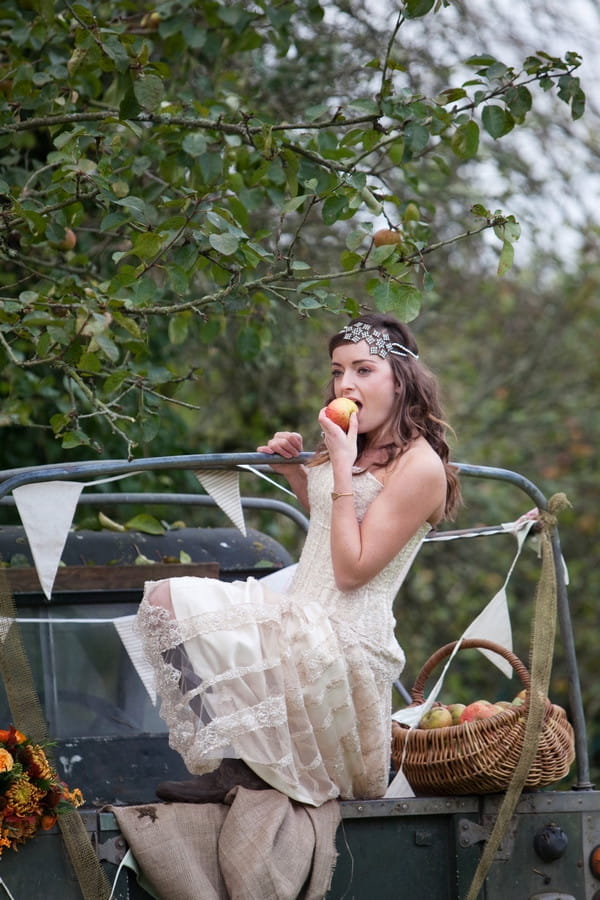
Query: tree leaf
(414, 9)
(507, 255)
(226, 244)
(145, 523)
(404, 300)
(334, 208)
(149, 92)
(465, 140)
(497, 121)
(179, 328)
(147, 245)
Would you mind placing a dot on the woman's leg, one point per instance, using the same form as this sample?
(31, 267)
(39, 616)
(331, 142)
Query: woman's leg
(213, 787)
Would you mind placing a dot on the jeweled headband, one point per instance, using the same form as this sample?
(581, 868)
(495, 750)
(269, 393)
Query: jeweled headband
(379, 341)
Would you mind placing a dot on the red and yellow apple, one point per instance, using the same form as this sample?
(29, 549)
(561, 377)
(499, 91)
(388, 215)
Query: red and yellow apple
(340, 410)
(479, 709)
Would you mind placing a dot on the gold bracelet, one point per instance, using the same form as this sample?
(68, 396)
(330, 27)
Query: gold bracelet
(336, 494)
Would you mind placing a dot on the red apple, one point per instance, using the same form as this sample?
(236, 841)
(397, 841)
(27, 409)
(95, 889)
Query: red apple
(69, 240)
(340, 410)
(479, 709)
(386, 236)
(437, 717)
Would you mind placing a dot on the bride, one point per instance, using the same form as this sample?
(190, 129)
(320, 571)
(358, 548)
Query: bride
(292, 689)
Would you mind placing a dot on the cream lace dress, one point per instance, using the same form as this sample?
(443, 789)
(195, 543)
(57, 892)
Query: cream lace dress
(296, 683)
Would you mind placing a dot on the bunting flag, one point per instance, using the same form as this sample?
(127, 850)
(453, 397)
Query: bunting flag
(128, 632)
(224, 487)
(493, 622)
(47, 511)
(399, 786)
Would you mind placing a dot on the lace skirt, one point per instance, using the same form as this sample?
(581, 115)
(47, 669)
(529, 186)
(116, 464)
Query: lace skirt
(247, 672)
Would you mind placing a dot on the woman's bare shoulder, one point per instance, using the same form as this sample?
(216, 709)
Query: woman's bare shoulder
(418, 480)
(418, 459)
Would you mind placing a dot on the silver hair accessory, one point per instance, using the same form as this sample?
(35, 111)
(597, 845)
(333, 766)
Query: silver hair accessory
(379, 341)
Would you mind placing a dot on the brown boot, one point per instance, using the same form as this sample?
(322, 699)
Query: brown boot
(213, 787)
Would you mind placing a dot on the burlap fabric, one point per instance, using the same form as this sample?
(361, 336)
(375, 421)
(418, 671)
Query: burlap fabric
(259, 845)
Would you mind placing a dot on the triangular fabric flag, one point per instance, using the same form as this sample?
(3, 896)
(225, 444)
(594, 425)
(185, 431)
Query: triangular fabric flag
(493, 622)
(46, 510)
(399, 787)
(224, 487)
(128, 632)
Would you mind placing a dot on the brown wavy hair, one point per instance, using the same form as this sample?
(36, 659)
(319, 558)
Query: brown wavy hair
(417, 408)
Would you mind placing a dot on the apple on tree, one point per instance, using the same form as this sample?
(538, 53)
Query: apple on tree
(387, 236)
(68, 241)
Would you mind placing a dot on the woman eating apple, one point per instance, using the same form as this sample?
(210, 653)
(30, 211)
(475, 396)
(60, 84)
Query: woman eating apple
(292, 689)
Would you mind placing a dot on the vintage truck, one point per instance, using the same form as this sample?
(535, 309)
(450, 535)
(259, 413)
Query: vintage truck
(111, 742)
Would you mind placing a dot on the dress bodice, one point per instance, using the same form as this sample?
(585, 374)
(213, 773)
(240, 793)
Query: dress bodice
(366, 611)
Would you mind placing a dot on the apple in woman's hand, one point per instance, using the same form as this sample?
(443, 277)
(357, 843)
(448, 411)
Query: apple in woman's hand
(340, 410)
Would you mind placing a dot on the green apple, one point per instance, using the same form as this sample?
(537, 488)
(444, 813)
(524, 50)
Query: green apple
(437, 717)
(456, 710)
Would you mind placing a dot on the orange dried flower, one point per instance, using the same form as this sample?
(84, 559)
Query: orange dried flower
(34, 760)
(6, 760)
(24, 798)
(11, 736)
(48, 821)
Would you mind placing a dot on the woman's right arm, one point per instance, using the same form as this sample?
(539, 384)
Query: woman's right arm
(289, 445)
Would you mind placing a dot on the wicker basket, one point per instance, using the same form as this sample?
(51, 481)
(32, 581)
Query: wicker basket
(479, 757)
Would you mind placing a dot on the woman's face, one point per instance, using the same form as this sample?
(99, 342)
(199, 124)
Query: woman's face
(368, 380)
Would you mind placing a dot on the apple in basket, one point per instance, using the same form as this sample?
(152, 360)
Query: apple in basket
(436, 717)
(479, 709)
(456, 711)
(520, 699)
(340, 410)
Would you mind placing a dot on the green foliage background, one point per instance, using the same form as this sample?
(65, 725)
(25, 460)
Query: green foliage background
(222, 167)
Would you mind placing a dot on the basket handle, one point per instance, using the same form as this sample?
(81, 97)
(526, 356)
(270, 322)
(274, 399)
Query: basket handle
(417, 691)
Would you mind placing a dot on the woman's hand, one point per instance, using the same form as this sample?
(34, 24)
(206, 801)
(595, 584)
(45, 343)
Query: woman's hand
(289, 445)
(341, 445)
(284, 443)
